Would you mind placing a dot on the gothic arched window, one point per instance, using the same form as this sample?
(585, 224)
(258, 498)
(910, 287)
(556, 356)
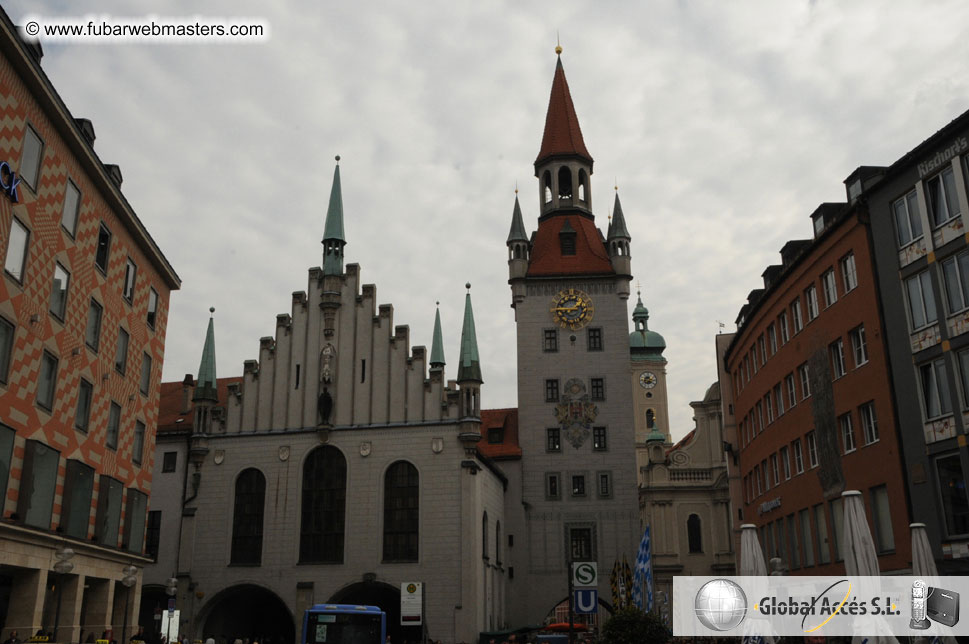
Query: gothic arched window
(547, 186)
(650, 418)
(583, 182)
(693, 533)
(247, 517)
(324, 506)
(401, 512)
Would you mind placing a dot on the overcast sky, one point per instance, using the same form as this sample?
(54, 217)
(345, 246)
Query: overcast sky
(724, 123)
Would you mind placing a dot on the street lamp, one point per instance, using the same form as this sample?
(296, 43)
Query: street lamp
(128, 580)
(62, 566)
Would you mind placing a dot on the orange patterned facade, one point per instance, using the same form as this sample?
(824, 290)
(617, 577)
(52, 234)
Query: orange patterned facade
(37, 333)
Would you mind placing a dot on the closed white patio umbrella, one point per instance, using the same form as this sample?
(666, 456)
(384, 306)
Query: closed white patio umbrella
(859, 552)
(751, 556)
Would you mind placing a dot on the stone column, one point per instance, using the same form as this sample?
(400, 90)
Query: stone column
(68, 627)
(26, 608)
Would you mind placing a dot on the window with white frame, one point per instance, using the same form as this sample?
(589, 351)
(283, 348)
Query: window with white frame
(942, 198)
(772, 338)
(779, 398)
(753, 358)
(130, 270)
(849, 272)
(804, 372)
(847, 433)
(935, 389)
(811, 297)
(72, 204)
(770, 408)
(786, 462)
(782, 323)
(837, 351)
(798, 456)
(775, 469)
(908, 224)
(791, 394)
(859, 347)
(882, 519)
(869, 422)
(955, 274)
(760, 484)
(17, 250)
(760, 416)
(921, 300)
(30, 161)
(765, 474)
(58, 291)
(796, 315)
(830, 287)
(6, 347)
(812, 446)
(47, 383)
(963, 376)
(762, 350)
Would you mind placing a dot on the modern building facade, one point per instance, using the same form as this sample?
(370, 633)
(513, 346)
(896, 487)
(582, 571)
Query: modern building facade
(812, 401)
(918, 208)
(83, 312)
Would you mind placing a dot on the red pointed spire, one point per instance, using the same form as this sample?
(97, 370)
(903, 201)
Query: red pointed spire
(562, 134)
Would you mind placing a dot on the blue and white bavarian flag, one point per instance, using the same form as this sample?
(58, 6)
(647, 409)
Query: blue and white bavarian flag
(643, 574)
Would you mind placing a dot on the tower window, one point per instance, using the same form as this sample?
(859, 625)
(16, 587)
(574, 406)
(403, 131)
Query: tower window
(595, 338)
(547, 186)
(583, 181)
(551, 340)
(551, 391)
(565, 183)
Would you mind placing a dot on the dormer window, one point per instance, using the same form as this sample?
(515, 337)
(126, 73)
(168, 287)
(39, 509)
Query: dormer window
(567, 239)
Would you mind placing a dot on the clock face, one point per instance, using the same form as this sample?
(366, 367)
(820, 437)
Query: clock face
(647, 379)
(572, 308)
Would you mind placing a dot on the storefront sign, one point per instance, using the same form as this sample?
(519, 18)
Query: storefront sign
(767, 506)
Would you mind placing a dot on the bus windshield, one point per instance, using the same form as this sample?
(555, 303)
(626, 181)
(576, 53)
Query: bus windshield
(341, 624)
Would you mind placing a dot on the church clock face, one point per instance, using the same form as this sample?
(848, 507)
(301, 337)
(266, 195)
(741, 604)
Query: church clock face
(572, 308)
(647, 379)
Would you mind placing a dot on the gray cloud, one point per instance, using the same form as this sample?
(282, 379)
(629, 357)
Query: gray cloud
(725, 124)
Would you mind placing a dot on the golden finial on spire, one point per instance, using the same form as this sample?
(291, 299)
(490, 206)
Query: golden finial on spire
(516, 187)
(616, 185)
(639, 289)
(558, 44)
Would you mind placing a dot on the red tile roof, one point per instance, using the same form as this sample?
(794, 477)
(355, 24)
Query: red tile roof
(172, 401)
(562, 134)
(506, 419)
(590, 251)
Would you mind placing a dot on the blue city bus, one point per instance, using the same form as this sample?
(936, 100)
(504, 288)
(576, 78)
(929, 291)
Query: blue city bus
(344, 624)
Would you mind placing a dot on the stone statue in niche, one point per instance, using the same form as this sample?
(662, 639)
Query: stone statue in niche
(325, 405)
(326, 360)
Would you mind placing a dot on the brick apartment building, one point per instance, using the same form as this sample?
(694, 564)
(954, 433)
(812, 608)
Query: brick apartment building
(812, 401)
(83, 310)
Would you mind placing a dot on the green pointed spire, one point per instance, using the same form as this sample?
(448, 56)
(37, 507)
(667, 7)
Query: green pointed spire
(617, 227)
(437, 344)
(469, 367)
(517, 232)
(205, 386)
(333, 239)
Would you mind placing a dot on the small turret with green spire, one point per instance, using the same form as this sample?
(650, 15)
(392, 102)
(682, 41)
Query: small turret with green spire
(206, 388)
(437, 344)
(643, 343)
(333, 236)
(469, 367)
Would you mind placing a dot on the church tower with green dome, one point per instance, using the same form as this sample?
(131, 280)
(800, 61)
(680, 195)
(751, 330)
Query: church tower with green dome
(647, 368)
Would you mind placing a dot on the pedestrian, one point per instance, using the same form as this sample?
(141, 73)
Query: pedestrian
(13, 639)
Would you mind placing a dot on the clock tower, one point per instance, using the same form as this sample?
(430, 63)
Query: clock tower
(647, 368)
(570, 286)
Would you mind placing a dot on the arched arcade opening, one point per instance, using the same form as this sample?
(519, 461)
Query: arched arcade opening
(387, 597)
(247, 611)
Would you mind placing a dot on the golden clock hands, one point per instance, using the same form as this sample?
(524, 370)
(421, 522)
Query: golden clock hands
(565, 308)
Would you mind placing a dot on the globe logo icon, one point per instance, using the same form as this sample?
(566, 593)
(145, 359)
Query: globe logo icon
(720, 605)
